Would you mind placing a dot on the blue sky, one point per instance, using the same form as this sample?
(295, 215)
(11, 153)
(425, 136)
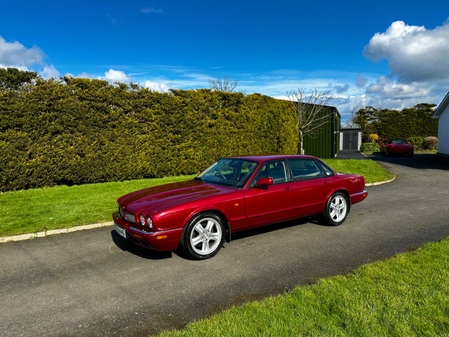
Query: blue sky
(385, 53)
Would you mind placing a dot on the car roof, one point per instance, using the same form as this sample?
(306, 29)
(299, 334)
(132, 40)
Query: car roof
(263, 158)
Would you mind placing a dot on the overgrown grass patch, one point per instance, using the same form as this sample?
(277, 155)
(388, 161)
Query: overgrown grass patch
(404, 296)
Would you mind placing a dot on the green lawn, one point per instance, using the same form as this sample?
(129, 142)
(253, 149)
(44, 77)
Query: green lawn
(372, 171)
(36, 210)
(404, 296)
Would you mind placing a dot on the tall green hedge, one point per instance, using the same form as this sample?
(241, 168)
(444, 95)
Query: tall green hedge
(75, 131)
(406, 123)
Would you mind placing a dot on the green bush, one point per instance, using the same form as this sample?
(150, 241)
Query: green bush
(417, 142)
(369, 147)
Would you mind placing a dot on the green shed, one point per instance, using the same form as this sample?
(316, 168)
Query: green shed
(324, 141)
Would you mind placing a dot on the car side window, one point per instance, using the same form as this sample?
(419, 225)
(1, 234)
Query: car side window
(275, 170)
(326, 169)
(304, 169)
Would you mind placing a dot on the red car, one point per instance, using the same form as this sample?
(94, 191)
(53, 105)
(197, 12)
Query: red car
(397, 147)
(233, 195)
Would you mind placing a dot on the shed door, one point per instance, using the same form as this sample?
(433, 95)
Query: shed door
(351, 140)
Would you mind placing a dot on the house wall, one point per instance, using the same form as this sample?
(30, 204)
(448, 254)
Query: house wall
(443, 132)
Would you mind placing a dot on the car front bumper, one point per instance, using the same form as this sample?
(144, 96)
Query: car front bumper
(165, 240)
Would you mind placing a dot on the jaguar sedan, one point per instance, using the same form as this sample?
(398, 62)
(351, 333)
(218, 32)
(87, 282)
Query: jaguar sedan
(232, 195)
(397, 147)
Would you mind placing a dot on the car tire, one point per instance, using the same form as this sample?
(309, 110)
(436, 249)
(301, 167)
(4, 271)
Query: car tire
(337, 208)
(203, 236)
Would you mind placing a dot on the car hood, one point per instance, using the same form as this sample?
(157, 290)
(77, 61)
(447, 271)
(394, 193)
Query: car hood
(404, 146)
(170, 195)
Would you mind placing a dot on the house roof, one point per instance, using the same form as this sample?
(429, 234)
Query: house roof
(444, 103)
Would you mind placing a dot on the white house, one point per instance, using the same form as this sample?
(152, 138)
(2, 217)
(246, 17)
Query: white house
(442, 113)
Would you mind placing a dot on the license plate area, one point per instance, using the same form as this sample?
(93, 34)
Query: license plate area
(120, 230)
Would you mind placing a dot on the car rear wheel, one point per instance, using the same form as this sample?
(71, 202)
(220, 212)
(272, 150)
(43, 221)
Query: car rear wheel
(203, 236)
(336, 210)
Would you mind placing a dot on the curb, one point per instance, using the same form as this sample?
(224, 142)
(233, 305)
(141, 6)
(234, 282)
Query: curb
(381, 182)
(52, 232)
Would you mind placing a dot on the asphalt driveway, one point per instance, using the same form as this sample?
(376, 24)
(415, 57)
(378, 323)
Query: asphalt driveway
(92, 283)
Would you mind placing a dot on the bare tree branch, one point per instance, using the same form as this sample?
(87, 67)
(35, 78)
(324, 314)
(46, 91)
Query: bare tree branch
(225, 84)
(309, 105)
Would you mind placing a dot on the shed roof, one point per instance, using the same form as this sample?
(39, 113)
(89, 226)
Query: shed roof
(444, 103)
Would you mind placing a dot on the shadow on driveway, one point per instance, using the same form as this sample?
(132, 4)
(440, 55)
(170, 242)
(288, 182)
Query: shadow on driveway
(350, 154)
(126, 245)
(418, 161)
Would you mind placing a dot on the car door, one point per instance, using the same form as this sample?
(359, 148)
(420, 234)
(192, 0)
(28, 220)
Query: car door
(310, 185)
(272, 203)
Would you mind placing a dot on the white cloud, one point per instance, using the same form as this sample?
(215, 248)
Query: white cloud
(116, 76)
(50, 72)
(16, 55)
(395, 90)
(157, 86)
(414, 53)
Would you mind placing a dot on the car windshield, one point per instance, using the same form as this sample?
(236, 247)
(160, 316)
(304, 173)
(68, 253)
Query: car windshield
(399, 141)
(229, 171)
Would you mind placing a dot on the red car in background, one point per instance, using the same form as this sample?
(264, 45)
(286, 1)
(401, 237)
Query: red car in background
(233, 195)
(397, 147)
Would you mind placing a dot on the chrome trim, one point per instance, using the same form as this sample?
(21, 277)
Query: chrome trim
(358, 193)
(140, 231)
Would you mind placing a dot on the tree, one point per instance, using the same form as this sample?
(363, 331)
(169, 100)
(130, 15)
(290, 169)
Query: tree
(367, 120)
(15, 79)
(225, 84)
(389, 123)
(310, 106)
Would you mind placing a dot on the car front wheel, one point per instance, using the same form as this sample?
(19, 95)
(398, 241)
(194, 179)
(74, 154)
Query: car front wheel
(203, 236)
(336, 210)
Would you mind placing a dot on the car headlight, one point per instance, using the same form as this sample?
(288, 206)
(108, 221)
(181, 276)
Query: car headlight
(149, 222)
(146, 221)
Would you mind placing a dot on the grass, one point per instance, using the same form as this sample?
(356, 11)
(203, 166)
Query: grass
(404, 296)
(36, 210)
(372, 171)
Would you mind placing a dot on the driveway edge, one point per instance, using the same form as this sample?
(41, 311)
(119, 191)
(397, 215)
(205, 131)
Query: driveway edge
(381, 182)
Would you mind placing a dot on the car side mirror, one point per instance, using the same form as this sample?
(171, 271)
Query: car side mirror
(264, 181)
